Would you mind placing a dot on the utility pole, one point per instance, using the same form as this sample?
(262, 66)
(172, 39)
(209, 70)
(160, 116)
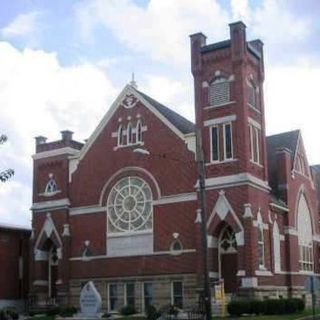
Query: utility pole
(203, 224)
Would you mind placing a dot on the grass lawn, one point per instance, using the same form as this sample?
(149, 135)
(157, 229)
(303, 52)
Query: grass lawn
(276, 317)
(294, 316)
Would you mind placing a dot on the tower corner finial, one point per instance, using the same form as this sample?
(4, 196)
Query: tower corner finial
(133, 82)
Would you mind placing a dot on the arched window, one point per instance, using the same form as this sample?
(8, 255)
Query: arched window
(276, 247)
(139, 131)
(176, 247)
(120, 135)
(305, 236)
(129, 206)
(51, 186)
(219, 91)
(228, 243)
(252, 94)
(129, 134)
(260, 241)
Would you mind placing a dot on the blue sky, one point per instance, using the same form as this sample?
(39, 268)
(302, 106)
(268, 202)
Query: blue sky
(63, 62)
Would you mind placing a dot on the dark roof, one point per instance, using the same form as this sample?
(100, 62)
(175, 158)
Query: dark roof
(14, 227)
(287, 140)
(215, 46)
(181, 123)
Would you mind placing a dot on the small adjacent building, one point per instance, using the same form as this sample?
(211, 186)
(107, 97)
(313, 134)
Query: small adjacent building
(14, 268)
(122, 209)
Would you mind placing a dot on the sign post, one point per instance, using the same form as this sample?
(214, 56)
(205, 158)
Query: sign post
(312, 284)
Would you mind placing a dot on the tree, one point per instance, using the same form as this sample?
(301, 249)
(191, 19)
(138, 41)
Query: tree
(8, 173)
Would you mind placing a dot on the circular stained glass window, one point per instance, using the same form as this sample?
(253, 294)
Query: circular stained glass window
(129, 206)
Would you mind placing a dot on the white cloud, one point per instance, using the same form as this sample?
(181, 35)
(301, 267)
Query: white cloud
(240, 10)
(38, 96)
(276, 25)
(160, 30)
(23, 24)
(292, 103)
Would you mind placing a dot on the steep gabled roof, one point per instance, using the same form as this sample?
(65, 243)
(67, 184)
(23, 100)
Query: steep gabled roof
(181, 123)
(288, 140)
(178, 124)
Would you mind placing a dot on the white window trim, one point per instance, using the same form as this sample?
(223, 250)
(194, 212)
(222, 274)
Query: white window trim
(215, 82)
(120, 135)
(218, 144)
(125, 296)
(139, 123)
(143, 295)
(212, 122)
(255, 132)
(224, 141)
(109, 304)
(172, 291)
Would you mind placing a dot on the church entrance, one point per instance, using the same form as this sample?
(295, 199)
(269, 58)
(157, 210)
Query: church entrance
(228, 259)
(52, 272)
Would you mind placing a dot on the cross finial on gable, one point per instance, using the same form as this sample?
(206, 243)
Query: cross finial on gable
(133, 82)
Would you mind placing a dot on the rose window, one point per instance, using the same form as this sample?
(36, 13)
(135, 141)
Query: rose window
(129, 206)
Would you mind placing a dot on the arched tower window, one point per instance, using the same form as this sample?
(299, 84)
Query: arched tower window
(219, 91)
(129, 134)
(305, 236)
(120, 135)
(276, 247)
(139, 131)
(260, 242)
(252, 94)
(51, 186)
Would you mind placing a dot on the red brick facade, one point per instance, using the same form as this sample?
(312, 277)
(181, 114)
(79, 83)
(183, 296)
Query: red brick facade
(123, 206)
(14, 260)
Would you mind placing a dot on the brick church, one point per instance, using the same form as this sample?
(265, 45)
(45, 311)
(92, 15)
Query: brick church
(122, 209)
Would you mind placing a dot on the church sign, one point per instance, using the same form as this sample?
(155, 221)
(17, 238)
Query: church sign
(90, 300)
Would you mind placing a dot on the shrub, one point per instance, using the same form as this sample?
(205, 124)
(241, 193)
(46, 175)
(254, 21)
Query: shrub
(300, 304)
(68, 311)
(152, 313)
(275, 306)
(12, 314)
(128, 310)
(53, 311)
(258, 307)
(2, 315)
(239, 307)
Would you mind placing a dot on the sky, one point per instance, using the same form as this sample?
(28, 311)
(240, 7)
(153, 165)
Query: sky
(62, 63)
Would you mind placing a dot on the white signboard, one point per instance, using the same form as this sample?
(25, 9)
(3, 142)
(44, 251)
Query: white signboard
(90, 300)
(130, 245)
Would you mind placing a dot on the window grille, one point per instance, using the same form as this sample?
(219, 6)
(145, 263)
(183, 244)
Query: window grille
(177, 294)
(129, 206)
(219, 92)
(51, 186)
(305, 236)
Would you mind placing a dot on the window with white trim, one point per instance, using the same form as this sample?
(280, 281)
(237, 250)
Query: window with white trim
(261, 254)
(113, 297)
(305, 240)
(129, 206)
(129, 134)
(120, 135)
(130, 294)
(276, 247)
(139, 131)
(51, 186)
(219, 91)
(177, 294)
(252, 95)
(221, 142)
(147, 294)
(255, 144)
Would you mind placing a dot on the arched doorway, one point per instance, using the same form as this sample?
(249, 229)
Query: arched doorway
(52, 272)
(228, 258)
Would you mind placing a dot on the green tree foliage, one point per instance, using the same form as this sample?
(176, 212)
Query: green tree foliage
(8, 173)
